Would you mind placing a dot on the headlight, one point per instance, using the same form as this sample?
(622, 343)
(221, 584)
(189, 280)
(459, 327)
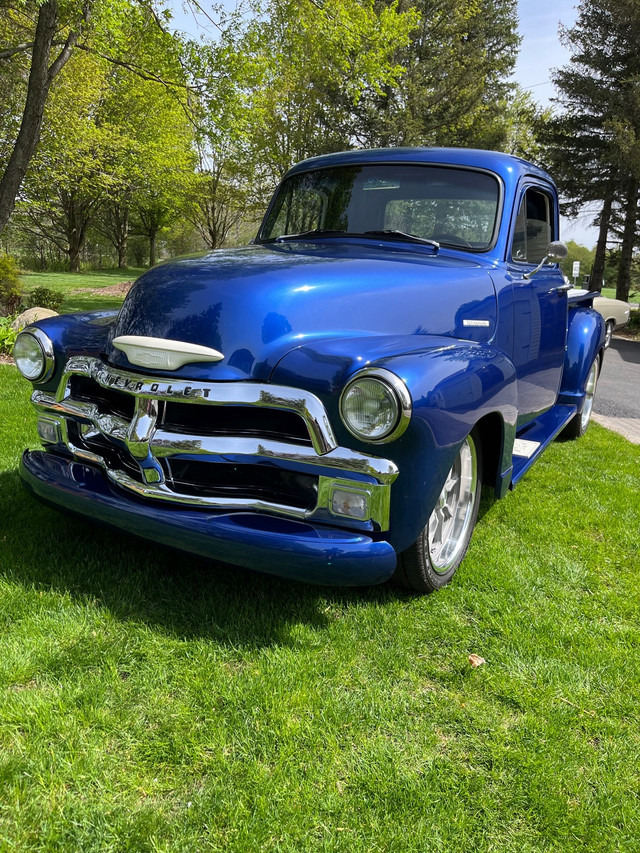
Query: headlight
(33, 354)
(376, 406)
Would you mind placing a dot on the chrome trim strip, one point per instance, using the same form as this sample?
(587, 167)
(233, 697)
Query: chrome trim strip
(161, 492)
(109, 425)
(378, 499)
(303, 403)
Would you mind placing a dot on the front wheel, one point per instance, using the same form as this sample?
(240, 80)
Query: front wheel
(432, 560)
(579, 423)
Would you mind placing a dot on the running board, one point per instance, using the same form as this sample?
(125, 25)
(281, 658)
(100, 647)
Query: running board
(533, 438)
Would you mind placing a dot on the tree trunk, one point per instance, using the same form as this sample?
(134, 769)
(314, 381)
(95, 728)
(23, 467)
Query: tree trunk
(37, 92)
(152, 248)
(122, 241)
(74, 258)
(596, 281)
(628, 240)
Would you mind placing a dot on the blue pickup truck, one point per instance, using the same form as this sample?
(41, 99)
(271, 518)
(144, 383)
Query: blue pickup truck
(325, 404)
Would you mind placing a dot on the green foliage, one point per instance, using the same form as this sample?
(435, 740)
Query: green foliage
(454, 89)
(7, 335)
(284, 80)
(283, 85)
(10, 285)
(114, 126)
(577, 253)
(44, 297)
(634, 322)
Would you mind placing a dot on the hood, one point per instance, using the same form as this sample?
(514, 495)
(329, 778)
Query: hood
(254, 305)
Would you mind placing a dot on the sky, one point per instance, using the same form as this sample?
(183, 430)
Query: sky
(540, 51)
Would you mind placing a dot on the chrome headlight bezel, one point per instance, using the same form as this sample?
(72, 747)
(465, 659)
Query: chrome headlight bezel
(396, 391)
(47, 356)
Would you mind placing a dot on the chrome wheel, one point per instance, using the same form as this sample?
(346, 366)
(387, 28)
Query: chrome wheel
(449, 526)
(589, 391)
(432, 560)
(577, 426)
(608, 332)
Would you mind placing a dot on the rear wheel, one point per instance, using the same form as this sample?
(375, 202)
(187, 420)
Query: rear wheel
(608, 332)
(578, 425)
(432, 560)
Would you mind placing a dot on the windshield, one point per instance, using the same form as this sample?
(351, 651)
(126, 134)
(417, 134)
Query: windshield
(454, 206)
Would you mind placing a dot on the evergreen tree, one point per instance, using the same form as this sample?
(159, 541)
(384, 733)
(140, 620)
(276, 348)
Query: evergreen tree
(594, 145)
(455, 88)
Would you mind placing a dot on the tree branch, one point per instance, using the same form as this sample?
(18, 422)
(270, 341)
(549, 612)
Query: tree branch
(22, 48)
(131, 66)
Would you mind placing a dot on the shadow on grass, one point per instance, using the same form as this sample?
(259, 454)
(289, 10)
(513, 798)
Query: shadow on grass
(170, 591)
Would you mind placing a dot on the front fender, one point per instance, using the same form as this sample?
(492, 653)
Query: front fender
(453, 384)
(75, 334)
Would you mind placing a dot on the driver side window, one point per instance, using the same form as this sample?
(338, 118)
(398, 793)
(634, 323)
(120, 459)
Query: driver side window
(534, 227)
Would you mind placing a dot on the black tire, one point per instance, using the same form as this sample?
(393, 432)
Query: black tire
(432, 560)
(579, 424)
(608, 332)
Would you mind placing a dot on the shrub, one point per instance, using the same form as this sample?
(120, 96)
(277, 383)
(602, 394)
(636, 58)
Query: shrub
(45, 297)
(634, 321)
(10, 285)
(7, 336)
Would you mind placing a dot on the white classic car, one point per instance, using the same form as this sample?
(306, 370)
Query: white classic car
(614, 312)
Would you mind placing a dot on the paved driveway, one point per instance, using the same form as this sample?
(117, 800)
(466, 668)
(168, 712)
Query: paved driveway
(617, 401)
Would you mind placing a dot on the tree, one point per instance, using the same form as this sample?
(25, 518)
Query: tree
(42, 37)
(454, 90)
(279, 87)
(108, 126)
(594, 145)
(70, 172)
(55, 27)
(154, 160)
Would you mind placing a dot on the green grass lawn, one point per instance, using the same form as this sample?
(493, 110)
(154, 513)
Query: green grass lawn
(610, 292)
(77, 287)
(153, 702)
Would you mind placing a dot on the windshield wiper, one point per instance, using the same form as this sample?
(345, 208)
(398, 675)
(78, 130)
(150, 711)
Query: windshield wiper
(315, 232)
(401, 235)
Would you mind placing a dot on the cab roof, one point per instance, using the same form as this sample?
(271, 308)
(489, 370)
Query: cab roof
(506, 166)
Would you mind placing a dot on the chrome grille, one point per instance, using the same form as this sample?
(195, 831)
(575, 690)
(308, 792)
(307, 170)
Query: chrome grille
(226, 445)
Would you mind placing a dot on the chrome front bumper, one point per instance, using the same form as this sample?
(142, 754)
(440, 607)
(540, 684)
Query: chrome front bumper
(347, 481)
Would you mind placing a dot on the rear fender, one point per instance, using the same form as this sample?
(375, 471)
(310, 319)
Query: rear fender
(585, 343)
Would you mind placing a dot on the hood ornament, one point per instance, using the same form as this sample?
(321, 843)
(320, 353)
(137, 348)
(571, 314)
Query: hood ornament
(163, 353)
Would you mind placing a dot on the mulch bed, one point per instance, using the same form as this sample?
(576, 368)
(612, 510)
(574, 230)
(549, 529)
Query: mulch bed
(120, 289)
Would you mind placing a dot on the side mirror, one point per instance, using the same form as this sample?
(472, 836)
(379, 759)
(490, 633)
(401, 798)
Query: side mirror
(556, 252)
